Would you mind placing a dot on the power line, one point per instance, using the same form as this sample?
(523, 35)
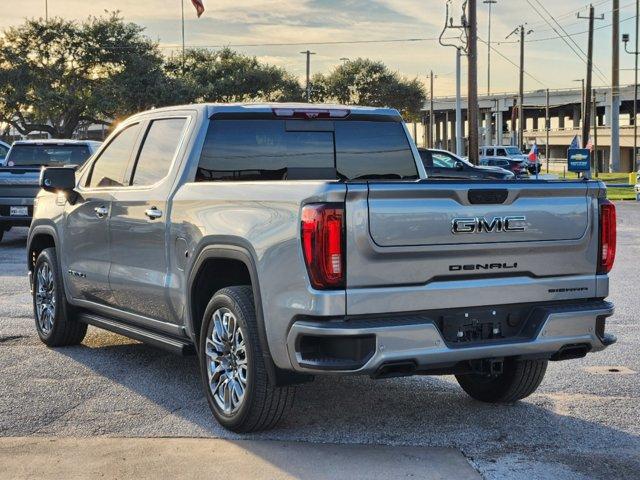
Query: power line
(298, 44)
(575, 48)
(585, 31)
(513, 63)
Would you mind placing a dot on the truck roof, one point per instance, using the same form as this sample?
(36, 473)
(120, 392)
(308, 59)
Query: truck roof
(245, 107)
(53, 141)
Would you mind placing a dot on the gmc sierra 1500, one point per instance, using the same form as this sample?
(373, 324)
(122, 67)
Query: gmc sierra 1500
(283, 241)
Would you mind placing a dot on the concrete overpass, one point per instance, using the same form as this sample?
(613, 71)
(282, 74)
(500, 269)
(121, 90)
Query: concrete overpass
(497, 111)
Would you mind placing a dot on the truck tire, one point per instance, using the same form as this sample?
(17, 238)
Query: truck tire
(55, 318)
(519, 379)
(232, 367)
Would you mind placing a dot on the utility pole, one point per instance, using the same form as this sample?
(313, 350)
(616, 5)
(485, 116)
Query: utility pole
(614, 157)
(521, 30)
(582, 98)
(472, 87)
(595, 133)
(46, 10)
(490, 3)
(547, 127)
(460, 48)
(430, 132)
(625, 39)
(459, 147)
(308, 53)
(586, 121)
(183, 50)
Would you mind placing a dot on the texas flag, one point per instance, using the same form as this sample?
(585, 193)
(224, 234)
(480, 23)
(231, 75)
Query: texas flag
(199, 7)
(533, 153)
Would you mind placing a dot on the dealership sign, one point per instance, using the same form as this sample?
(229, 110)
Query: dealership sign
(578, 160)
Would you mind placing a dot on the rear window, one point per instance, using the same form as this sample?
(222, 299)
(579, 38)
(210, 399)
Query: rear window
(37, 155)
(294, 150)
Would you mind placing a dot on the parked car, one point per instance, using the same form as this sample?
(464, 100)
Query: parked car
(21, 171)
(517, 167)
(4, 149)
(440, 164)
(637, 186)
(283, 241)
(511, 152)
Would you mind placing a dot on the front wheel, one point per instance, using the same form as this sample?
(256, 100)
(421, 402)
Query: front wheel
(56, 323)
(237, 387)
(519, 379)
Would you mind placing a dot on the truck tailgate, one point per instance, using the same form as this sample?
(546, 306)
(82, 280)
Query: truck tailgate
(19, 182)
(418, 246)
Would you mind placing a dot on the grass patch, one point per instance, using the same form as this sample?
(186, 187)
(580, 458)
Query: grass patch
(621, 193)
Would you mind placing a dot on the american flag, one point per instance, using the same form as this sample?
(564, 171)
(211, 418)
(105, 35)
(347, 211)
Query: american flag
(199, 6)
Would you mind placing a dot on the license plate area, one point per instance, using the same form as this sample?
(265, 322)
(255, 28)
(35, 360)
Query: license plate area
(487, 325)
(18, 211)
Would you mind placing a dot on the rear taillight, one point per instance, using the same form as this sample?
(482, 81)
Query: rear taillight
(323, 244)
(607, 236)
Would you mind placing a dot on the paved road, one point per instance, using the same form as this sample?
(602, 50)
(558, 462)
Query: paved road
(580, 424)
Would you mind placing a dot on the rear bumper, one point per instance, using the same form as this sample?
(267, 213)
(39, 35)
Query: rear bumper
(371, 344)
(8, 220)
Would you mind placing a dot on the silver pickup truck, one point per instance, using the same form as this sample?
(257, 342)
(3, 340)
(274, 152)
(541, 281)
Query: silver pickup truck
(283, 241)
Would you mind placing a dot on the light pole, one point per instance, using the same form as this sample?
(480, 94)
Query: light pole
(625, 39)
(308, 53)
(46, 10)
(490, 3)
(581, 80)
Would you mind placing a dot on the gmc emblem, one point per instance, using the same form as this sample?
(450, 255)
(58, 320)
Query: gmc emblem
(513, 223)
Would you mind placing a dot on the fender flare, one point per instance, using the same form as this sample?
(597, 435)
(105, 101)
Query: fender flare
(231, 251)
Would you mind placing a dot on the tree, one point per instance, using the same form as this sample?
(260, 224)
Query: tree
(56, 74)
(228, 76)
(367, 82)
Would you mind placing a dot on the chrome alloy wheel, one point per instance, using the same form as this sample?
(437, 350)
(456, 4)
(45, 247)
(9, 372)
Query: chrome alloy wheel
(227, 361)
(45, 290)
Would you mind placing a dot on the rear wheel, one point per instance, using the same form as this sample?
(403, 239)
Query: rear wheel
(55, 318)
(519, 379)
(234, 375)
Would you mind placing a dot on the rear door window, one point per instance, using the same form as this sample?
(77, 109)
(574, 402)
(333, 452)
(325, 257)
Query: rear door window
(489, 152)
(158, 150)
(501, 152)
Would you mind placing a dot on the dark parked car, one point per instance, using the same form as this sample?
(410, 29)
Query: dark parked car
(443, 164)
(518, 167)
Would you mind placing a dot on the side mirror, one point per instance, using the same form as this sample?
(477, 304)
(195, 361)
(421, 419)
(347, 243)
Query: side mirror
(459, 166)
(55, 179)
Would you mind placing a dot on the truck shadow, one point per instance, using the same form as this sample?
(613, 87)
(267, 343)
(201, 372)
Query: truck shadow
(161, 395)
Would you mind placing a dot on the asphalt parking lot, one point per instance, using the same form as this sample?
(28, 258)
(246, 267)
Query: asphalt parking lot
(582, 423)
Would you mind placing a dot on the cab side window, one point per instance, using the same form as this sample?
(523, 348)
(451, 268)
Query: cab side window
(501, 152)
(109, 169)
(158, 150)
(489, 152)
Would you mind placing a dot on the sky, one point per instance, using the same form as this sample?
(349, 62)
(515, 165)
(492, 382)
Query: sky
(549, 62)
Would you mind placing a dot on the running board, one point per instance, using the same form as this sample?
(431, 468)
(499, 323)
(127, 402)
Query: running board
(173, 345)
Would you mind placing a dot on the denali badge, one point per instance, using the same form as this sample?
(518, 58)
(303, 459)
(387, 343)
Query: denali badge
(483, 266)
(482, 225)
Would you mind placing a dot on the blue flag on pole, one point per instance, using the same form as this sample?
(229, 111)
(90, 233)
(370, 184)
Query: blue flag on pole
(575, 143)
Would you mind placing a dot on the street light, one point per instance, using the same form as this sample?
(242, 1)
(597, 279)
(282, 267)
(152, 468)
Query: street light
(582, 98)
(490, 3)
(625, 40)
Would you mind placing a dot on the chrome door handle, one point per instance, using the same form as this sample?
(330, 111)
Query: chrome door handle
(101, 211)
(153, 213)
